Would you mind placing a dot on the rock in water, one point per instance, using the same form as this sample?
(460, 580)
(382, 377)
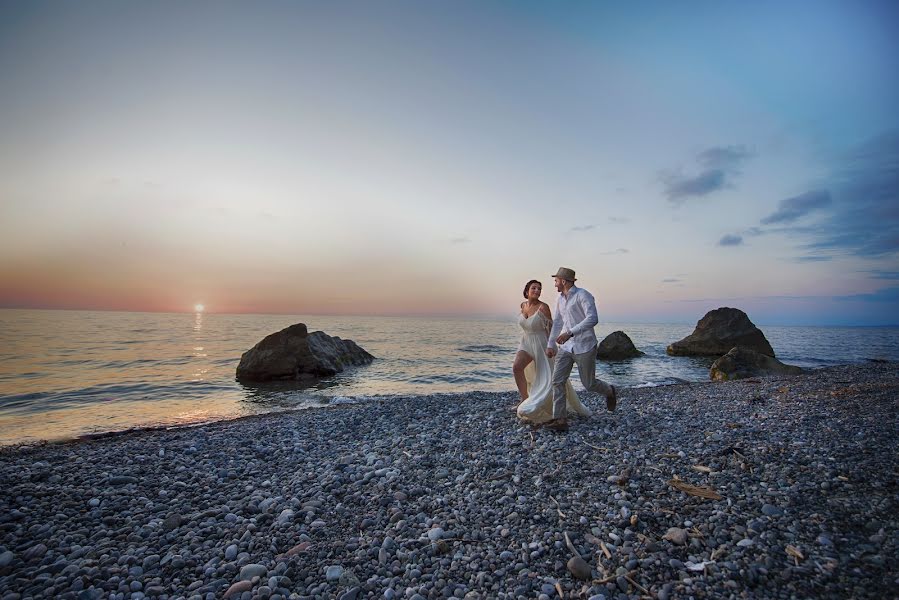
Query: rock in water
(294, 353)
(741, 362)
(617, 346)
(719, 331)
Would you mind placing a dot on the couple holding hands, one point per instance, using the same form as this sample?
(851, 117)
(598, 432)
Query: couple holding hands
(546, 392)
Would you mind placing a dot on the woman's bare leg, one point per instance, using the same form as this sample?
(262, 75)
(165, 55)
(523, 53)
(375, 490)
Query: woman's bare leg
(522, 359)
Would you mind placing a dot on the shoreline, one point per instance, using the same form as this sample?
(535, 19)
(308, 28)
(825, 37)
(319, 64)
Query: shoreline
(449, 495)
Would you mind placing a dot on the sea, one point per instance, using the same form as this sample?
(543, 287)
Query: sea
(70, 374)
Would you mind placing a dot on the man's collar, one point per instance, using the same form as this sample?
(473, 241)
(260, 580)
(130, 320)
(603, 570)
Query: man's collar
(570, 290)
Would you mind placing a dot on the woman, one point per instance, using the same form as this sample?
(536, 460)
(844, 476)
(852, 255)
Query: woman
(532, 369)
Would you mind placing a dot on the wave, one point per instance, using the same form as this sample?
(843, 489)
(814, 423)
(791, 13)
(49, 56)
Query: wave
(455, 378)
(35, 402)
(484, 349)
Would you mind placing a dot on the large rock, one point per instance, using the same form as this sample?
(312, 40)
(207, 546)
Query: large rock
(719, 331)
(294, 353)
(742, 362)
(617, 346)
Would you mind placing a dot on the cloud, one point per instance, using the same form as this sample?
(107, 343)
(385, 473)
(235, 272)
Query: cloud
(731, 240)
(671, 280)
(583, 228)
(726, 157)
(865, 217)
(857, 205)
(619, 220)
(890, 294)
(792, 209)
(813, 258)
(679, 188)
(884, 274)
(460, 240)
(719, 166)
(616, 251)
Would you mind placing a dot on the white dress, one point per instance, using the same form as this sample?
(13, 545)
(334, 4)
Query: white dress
(538, 408)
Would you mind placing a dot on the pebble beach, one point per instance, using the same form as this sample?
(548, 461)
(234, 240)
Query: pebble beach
(762, 488)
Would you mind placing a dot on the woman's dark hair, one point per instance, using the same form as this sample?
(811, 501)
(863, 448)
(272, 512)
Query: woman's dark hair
(528, 285)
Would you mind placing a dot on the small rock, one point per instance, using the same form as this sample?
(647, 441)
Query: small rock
(171, 522)
(122, 480)
(37, 551)
(578, 567)
(286, 516)
(248, 572)
(238, 588)
(150, 561)
(351, 594)
(676, 536)
(6, 559)
(231, 552)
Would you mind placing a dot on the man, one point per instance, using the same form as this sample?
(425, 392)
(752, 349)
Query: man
(571, 341)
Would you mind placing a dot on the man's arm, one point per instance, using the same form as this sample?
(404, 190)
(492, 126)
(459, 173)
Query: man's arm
(591, 317)
(557, 328)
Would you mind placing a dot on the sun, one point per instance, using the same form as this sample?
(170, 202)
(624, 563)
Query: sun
(199, 308)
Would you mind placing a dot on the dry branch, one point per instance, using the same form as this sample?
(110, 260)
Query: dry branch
(693, 490)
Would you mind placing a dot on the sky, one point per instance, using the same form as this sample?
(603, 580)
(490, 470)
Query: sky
(429, 158)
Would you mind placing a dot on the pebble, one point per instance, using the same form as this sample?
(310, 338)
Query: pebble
(470, 508)
(252, 570)
(238, 588)
(676, 536)
(579, 568)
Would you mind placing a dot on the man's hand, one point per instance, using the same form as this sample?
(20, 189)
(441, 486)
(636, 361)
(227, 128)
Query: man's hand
(550, 352)
(564, 338)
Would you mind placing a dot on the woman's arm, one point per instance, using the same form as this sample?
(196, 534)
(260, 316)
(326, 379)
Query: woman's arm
(544, 308)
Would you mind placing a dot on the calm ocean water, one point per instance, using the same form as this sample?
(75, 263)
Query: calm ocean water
(68, 373)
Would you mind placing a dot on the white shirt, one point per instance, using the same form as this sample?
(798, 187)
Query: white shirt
(576, 314)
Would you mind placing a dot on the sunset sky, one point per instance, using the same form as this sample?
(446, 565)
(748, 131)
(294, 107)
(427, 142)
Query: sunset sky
(431, 157)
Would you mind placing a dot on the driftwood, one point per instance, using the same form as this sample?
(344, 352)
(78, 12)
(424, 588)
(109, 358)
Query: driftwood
(693, 490)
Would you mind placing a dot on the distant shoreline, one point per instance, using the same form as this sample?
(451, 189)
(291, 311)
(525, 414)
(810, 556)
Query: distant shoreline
(445, 492)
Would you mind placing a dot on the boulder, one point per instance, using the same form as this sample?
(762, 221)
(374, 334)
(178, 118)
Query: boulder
(742, 362)
(617, 346)
(719, 331)
(294, 353)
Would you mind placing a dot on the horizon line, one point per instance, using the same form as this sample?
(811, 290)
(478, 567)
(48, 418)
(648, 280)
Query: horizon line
(474, 316)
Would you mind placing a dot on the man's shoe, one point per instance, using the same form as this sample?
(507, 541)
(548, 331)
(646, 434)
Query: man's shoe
(557, 425)
(612, 400)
